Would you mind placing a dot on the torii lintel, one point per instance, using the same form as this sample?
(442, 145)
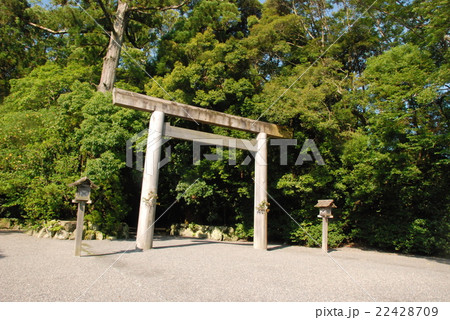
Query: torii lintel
(142, 102)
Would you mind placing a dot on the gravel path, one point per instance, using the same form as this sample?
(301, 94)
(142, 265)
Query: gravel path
(183, 269)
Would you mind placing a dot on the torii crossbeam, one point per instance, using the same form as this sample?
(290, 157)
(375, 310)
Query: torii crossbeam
(158, 129)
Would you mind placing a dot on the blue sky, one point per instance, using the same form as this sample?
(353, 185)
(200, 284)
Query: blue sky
(46, 2)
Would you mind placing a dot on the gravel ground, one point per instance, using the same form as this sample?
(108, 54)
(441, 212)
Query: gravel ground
(184, 269)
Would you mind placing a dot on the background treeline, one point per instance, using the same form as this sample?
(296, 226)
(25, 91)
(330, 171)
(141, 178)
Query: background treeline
(371, 88)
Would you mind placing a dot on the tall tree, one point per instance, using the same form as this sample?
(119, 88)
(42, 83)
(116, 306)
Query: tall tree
(113, 17)
(125, 10)
(22, 47)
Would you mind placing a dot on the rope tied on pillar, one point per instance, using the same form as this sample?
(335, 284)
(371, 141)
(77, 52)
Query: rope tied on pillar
(151, 199)
(263, 207)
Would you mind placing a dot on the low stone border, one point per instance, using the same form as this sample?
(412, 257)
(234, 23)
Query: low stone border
(10, 224)
(65, 230)
(204, 232)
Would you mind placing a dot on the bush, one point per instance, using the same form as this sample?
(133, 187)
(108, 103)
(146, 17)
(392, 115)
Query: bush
(422, 239)
(310, 234)
(242, 232)
(55, 129)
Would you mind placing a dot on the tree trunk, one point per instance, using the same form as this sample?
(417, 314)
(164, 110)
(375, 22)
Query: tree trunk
(111, 60)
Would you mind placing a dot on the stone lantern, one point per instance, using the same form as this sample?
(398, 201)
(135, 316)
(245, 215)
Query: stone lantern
(325, 207)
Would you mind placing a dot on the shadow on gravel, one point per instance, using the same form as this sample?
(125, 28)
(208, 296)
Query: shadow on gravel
(442, 260)
(1, 256)
(435, 259)
(201, 242)
(283, 246)
(111, 253)
(278, 247)
(7, 231)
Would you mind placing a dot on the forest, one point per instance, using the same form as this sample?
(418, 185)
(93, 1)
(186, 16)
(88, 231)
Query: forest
(368, 81)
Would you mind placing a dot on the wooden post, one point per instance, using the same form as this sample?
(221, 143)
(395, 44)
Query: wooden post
(80, 222)
(325, 207)
(82, 197)
(325, 234)
(149, 192)
(261, 204)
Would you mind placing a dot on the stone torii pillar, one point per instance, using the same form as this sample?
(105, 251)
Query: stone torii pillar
(261, 204)
(149, 192)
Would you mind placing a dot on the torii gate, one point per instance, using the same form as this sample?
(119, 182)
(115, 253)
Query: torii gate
(158, 129)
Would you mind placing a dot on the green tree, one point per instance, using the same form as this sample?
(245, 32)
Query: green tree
(22, 47)
(403, 156)
(38, 146)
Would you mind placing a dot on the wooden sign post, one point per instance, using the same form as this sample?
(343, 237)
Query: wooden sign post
(325, 213)
(82, 197)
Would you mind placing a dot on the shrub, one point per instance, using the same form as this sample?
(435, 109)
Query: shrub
(310, 234)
